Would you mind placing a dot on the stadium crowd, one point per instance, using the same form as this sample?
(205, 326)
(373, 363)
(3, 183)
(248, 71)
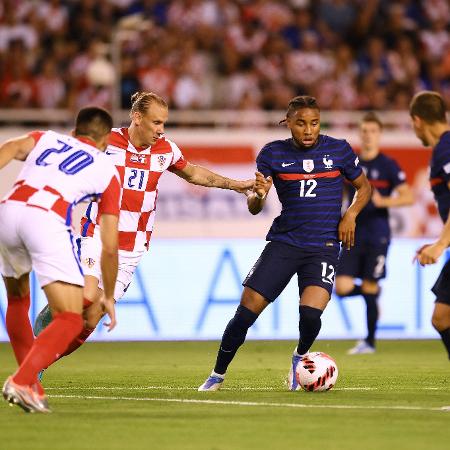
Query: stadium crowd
(237, 54)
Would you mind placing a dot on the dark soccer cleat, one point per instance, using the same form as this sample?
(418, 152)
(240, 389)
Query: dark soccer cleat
(24, 397)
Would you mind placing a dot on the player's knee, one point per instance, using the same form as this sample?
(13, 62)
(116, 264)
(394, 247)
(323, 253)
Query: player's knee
(93, 315)
(370, 287)
(439, 321)
(344, 286)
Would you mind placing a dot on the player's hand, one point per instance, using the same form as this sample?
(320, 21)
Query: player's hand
(262, 184)
(108, 307)
(429, 253)
(346, 230)
(378, 199)
(244, 186)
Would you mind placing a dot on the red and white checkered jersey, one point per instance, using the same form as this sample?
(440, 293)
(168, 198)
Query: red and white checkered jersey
(62, 171)
(140, 170)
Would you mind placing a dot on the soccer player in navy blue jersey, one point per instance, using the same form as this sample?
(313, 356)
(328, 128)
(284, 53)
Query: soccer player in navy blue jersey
(428, 114)
(308, 171)
(366, 259)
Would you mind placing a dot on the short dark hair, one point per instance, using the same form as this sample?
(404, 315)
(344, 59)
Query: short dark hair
(93, 122)
(372, 117)
(300, 102)
(429, 106)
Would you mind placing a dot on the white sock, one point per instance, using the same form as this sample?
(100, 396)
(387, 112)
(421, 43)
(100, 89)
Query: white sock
(214, 374)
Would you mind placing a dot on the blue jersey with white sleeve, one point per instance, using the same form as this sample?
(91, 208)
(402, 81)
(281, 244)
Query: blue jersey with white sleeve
(309, 184)
(440, 174)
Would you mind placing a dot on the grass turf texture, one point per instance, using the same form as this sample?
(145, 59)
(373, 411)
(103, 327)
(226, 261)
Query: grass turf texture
(92, 394)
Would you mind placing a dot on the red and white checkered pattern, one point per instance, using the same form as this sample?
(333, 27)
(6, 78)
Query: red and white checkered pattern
(140, 170)
(42, 184)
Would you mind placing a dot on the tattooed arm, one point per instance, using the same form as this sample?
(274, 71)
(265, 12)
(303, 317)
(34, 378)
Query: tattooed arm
(203, 177)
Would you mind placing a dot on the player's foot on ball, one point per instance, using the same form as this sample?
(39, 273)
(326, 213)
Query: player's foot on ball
(42, 320)
(292, 379)
(212, 383)
(361, 348)
(23, 396)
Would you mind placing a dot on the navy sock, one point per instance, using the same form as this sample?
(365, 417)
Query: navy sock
(372, 317)
(445, 336)
(355, 291)
(309, 327)
(233, 337)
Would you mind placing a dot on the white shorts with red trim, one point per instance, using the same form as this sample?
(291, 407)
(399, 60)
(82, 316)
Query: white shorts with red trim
(32, 238)
(90, 252)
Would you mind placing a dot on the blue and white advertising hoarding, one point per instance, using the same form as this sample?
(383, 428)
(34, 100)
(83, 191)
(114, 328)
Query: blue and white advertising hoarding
(189, 289)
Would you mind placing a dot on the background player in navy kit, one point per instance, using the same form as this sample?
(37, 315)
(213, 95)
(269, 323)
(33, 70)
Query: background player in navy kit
(366, 260)
(308, 171)
(427, 111)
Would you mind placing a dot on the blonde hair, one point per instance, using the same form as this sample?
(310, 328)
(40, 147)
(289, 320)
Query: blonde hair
(141, 101)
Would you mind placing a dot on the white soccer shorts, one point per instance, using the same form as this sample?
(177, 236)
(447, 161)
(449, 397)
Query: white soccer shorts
(90, 252)
(31, 238)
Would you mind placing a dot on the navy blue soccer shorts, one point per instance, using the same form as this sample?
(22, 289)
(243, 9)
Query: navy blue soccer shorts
(442, 286)
(364, 261)
(279, 262)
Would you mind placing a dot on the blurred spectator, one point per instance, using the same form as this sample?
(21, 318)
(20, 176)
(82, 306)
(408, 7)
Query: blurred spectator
(223, 53)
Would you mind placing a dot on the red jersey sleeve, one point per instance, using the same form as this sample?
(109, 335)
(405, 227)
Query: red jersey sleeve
(179, 165)
(110, 199)
(36, 135)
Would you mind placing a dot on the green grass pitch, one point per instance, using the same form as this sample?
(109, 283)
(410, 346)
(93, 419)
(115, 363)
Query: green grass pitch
(142, 395)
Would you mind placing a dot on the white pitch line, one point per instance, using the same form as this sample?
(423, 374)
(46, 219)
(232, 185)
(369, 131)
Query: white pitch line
(180, 388)
(265, 404)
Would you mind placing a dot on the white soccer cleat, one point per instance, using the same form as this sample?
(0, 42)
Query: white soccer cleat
(292, 381)
(213, 383)
(24, 396)
(361, 348)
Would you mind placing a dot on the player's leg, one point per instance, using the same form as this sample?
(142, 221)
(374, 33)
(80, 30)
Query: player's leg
(18, 323)
(264, 283)
(348, 269)
(441, 322)
(371, 292)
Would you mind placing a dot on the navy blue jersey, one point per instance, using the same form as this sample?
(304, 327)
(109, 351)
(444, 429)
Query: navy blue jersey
(372, 223)
(309, 184)
(440, 174)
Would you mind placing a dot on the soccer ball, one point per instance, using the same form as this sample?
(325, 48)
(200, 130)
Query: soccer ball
(315, 372)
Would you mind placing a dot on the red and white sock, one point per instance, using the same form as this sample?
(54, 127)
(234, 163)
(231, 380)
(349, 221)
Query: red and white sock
(48, 346)
(19, 327)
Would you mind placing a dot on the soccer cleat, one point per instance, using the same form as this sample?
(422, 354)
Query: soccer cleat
(292, 378)
(212, 383)
(361, 348)
(24, 397)
(42, 398)
(43, 319)
(40, 374)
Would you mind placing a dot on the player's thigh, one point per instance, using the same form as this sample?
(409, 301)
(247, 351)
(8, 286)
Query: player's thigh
(318, 268)
(441, 316)
(374, 265)
(15, 260)
(52, 248)
(442, 286)
(253, 300)
(273, 270)
(315, 297)
(64, 297)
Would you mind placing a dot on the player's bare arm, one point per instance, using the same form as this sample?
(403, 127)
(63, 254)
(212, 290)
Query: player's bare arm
(430, 253)
(403, 196)
(204, 177)
(347, 225)
(109, 263)
(17, 148)
(257, 197)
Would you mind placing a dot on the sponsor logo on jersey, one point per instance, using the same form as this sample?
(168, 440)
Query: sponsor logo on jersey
(141, 159)
(286, 164)
(89, 262)
(356, 161)
(328, 162)
(308, 165)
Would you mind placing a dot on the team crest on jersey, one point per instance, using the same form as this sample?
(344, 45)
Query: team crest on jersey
(141, 159)
(89, 262)
(328, 162)
(161, 161)
(308, 165)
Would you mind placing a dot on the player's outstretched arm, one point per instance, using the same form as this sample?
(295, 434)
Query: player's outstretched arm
(109, 263)
(17, 148)
(204, 177)
(403, 197)
(257, 197)
(346, 230)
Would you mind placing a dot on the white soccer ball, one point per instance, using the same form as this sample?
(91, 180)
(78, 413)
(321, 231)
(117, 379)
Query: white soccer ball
(317, 371)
